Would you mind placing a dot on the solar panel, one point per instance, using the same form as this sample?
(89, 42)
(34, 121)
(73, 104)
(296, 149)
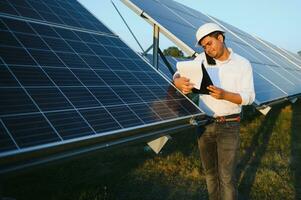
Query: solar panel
(61, 12)
(162, 66)
(276, 73)
(61, 85)
(289, 56)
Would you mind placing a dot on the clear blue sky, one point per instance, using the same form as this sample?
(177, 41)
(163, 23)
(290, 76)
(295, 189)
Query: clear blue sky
(276, 21)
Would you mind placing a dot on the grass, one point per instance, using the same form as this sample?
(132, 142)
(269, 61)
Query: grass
(268, 169)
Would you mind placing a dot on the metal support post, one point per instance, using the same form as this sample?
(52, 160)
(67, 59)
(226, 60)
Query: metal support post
(156, 46)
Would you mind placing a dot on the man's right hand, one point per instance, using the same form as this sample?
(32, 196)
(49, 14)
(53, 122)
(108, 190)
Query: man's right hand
(183, 84)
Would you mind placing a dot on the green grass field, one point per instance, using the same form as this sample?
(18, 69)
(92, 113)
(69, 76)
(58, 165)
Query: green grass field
(269, 167)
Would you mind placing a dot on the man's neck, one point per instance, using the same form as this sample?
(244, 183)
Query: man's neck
(225, 55)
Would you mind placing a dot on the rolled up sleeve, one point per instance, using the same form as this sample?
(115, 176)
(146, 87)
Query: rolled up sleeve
(176, 75)
(247, 91)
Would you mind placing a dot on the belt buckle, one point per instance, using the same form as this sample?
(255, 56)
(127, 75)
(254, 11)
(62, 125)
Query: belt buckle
(221, 119)
(224, 119)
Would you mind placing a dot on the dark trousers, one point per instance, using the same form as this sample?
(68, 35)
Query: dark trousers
(219, 148)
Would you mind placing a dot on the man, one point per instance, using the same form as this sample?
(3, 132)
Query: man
(219, 143)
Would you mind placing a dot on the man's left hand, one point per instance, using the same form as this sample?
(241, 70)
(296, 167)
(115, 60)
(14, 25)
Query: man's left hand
(216, 92)
(220, 93)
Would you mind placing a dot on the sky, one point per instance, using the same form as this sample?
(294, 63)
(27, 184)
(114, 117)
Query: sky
(276, 21)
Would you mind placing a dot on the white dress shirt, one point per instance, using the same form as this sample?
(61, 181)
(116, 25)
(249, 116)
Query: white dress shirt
(236, 76)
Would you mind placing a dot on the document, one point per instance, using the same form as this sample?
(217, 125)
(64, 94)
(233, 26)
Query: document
(191, 70)
(199, 76)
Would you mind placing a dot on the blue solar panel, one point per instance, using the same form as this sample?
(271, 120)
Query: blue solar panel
(30, 130)
(60, 85)
(294, 59)
(6, 141)
(277, 74)
(68, 13)
(162, 66)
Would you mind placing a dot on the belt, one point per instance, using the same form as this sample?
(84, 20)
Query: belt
(224, 119)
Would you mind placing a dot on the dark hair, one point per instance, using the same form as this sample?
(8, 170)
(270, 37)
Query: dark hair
(214, 34)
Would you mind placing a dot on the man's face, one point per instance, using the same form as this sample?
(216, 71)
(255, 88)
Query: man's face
(213, 46)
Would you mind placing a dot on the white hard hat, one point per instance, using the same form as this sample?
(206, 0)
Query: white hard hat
(206, 29)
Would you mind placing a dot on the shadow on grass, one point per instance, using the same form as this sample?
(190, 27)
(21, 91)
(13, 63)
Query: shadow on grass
(249, 113)
(108, 175)
(250, 162)
(90, 176)
(173, 174)
(296, 148)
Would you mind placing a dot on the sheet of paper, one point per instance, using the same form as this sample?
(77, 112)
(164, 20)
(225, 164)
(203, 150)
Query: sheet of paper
(191, 70)
(213, 72)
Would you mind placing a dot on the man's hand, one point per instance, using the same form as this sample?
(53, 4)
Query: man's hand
(183, 84)
(219, 93)
(216, 92)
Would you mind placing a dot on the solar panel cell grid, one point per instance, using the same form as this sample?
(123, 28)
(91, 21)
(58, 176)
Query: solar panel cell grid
(49, 99)
(65, 13)
(101, 120)
(6, 79)
(144, 93)
(106, 96)
(6, 142)
(88, 77)
(7, 8)
(145, 113)
(80, 97)
(30, 130)
(127, 94)
(266, 89)
(162, 109)
(69, 124)
(31, 76)
(63, 83)
(14, 101)
(125, 116)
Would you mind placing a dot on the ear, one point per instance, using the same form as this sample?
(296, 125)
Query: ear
(220, 38)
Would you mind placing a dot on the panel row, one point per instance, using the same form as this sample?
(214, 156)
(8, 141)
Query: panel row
(16, 101)
(276, 76)
(67, 13)
(58, 84)
(17, 132)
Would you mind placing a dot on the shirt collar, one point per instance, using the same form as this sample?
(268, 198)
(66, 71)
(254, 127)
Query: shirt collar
(218, 62)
